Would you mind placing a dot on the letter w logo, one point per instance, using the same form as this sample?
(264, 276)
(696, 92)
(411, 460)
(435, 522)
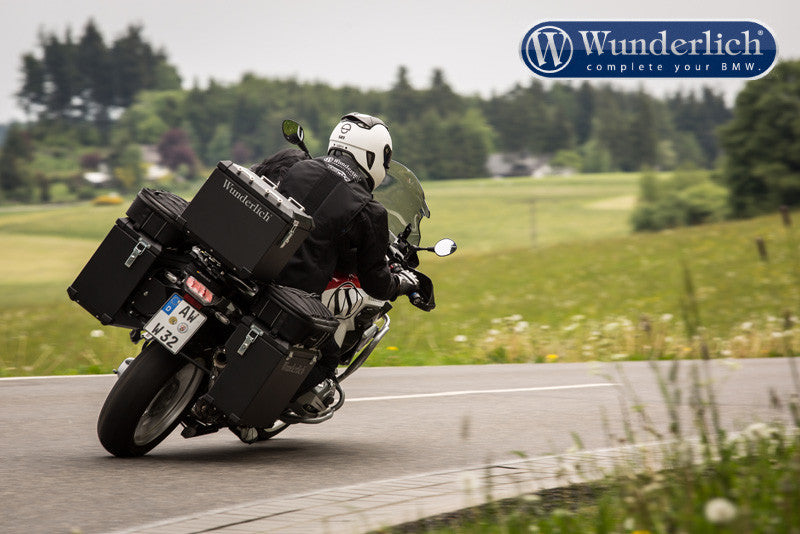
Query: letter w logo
(345, 301)
(549, 49)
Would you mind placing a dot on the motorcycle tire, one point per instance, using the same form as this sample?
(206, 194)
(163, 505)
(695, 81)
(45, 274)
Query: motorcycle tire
(147, 402)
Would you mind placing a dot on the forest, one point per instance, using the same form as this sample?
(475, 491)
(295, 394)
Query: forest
(93, 103)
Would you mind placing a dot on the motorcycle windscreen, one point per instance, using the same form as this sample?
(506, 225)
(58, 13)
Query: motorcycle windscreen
(402, 196)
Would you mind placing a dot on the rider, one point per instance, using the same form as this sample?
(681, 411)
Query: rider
(350, 226)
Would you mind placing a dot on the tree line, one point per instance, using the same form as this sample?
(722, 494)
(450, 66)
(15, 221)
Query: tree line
(90, 102)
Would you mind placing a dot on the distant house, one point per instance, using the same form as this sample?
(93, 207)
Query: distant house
(150, 158)
(98, 177)
(502, 164)
(506, 164)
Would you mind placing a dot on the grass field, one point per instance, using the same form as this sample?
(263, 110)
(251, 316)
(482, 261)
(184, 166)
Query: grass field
(546, 270)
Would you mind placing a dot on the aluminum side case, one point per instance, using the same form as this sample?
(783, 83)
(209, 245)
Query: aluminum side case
(242, 220)
(261, 375)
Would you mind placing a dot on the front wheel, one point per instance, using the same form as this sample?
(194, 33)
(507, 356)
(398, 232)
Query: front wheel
(147, 402)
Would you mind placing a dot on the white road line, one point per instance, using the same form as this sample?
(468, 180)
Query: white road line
(48, 377)
(480, 392)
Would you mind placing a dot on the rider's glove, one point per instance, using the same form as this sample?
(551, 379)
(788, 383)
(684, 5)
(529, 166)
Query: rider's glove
(407, 282)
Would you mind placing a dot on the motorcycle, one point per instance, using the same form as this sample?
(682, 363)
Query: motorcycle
(223, 345)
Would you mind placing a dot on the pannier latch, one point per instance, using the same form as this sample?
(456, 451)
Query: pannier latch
(290, 233)
(137, 251)
(254, 333)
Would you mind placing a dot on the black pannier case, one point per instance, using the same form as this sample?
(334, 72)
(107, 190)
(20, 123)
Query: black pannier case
(260, 377)
(114, 271)
(295, 315)
(244, 222)
(157, 214)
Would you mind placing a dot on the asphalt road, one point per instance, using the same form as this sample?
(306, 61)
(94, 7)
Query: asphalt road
(55, 476)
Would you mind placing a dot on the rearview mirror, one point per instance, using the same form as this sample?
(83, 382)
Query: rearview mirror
(293, 132)
(445, 247)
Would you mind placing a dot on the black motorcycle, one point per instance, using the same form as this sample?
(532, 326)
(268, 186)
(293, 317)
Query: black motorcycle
(223, 345)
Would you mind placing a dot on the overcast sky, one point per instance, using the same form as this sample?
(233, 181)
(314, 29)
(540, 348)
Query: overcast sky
(357, 43)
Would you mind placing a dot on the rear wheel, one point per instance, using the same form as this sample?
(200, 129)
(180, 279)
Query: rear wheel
(146, 403)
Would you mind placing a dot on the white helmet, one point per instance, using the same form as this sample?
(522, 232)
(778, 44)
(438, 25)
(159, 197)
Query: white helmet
(367, 139)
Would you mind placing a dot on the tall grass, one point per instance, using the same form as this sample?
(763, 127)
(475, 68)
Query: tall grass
(705, 479)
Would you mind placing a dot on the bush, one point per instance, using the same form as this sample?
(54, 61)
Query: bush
(687, 198)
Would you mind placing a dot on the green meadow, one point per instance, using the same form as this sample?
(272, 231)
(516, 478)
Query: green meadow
(547, 270)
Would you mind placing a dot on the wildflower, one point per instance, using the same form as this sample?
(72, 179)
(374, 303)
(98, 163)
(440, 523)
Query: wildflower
(571, 327)
(96, 333)
(758, 431)
(521, 326)
(748, 325)
(460, 338)
(497, 320)
(551, 357)
(392, 348)
(720, 510)
(514, 318)
(493, 332)
(667, 317)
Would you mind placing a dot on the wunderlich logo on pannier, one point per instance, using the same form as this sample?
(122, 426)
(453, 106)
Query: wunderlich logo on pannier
(649, 49)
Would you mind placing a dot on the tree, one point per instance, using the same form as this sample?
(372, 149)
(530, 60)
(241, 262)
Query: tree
(762, 143)
(83, 81)
(15, 179)
(176, 150)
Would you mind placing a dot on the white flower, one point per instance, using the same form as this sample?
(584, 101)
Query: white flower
(747, 325)
(758, 431)
(514, 318)
(460, 338)
(97, 333)
(720, 510)
(521, 326)
(493, 332)
(667, 317)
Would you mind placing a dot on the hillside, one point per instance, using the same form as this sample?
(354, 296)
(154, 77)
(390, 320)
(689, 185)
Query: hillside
(546, 270)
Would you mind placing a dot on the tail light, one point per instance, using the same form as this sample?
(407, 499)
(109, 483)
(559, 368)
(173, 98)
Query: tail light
(198, 290)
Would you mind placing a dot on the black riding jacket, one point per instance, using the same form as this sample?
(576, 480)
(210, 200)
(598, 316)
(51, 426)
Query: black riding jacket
(351, 232)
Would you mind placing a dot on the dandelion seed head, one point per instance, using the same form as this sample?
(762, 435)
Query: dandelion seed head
(720, 510)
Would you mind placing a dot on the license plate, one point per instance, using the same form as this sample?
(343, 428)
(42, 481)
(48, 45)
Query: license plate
(175, 323)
